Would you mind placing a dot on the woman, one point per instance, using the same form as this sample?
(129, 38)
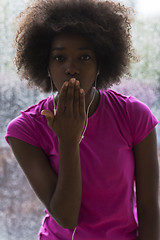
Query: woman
(83, 151)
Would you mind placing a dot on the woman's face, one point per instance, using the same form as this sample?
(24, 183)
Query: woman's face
(72, 56)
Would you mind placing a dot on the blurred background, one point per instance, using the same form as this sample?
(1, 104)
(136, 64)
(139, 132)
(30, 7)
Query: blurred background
(21, 212)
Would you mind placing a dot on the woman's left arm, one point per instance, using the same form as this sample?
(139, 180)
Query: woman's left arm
(147, 187)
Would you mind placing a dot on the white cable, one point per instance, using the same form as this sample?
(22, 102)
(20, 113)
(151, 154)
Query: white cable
(83, 137)
(87, 115)
(55, 110)
(74, 233)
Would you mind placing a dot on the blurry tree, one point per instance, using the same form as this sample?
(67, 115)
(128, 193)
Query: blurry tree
(8, 11)
(146, 39)
(19, 205)
(130, 3)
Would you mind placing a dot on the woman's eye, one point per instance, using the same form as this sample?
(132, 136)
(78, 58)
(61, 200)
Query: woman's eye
(58, 58)
(85, 57)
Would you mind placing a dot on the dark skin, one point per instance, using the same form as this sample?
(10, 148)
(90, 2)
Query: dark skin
(147, 184)
(73, 68)
(73, 57)
(72, 101)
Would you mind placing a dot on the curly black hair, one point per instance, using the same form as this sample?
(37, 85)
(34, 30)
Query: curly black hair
(105, 24)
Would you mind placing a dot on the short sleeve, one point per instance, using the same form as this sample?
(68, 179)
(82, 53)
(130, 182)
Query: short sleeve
(141, 119)
(23, 128)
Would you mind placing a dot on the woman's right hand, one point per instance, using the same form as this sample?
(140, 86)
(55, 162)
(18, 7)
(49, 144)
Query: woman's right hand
(69, 121)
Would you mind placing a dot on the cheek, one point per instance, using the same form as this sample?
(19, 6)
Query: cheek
(57, 82)
(89, 77)
(57, 77)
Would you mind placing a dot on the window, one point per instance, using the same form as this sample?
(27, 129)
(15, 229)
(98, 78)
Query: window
(19, 202)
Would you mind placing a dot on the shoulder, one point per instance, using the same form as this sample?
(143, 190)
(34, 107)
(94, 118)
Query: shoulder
(28, 125)
(130, 103)
(113, 94)
(114, 101)
(33, 113)
(130, 111)
(35, 110)
(114, 98)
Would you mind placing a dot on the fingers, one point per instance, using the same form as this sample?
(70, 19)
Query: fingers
(82, 103)
(47, 113)
(49, 116)
(71, 99)
(76, 99)
(62, 98)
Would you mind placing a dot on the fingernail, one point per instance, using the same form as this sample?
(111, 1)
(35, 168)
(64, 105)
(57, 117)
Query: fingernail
(73, 80)
(81, 91)
(77, 83)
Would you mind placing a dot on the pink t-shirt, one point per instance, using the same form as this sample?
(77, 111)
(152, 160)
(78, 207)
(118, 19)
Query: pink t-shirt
(108, 207)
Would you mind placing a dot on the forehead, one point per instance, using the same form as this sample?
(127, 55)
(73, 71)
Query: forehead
(71, 41)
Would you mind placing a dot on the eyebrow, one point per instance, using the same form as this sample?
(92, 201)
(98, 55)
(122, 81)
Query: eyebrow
(58, 48)
(63, 48)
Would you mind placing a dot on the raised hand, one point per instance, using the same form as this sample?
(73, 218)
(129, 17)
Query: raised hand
(70, 118)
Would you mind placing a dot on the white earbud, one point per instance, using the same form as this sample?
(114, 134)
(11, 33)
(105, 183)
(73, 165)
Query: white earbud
(49, 75)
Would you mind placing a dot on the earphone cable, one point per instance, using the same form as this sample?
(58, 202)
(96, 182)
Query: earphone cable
(55, 110)
(74, 233)
(87, 114)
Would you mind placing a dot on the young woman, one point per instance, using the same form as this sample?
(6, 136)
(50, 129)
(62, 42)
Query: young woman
(83, 149)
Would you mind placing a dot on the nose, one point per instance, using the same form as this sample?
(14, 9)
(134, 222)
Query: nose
(72, 69)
